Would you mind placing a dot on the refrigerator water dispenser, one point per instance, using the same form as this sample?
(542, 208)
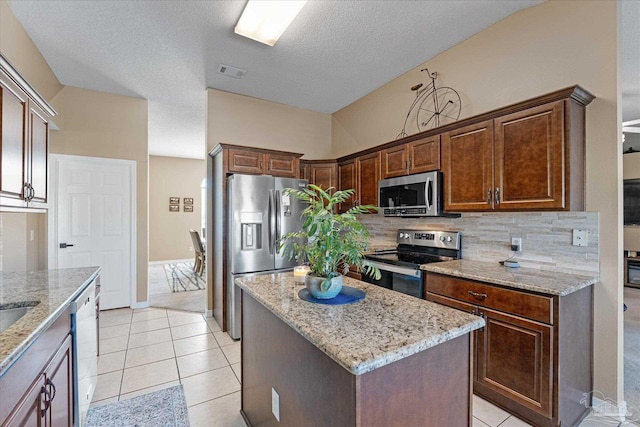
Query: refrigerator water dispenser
(251, 226)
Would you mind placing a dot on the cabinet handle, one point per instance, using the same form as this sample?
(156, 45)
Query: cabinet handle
(489, 196)
(498, 196)
(53, 389)
(47, 401)
(477, 295)
(260, 164)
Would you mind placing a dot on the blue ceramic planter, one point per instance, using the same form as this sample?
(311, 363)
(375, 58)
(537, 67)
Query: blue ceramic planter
(313, 284)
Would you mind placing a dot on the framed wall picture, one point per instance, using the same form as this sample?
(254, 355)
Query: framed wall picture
(174, 208)
(188, 208)
(174, 200)
(188, 200)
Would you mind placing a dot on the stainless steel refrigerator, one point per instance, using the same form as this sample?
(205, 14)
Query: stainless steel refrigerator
(259, 214)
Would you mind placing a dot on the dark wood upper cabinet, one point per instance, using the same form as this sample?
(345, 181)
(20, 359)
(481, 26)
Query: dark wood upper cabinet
(367, 177)
(282, 165)
(13, 148)
(346, 181)
(24, 141)
(39, 158)
(257, 161)
(418, 156)
(467, 167)
(324, 175)
(529, 158)
(245, 161)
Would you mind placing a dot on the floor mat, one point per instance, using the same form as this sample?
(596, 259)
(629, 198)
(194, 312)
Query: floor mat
(182, 278)
(160, 408)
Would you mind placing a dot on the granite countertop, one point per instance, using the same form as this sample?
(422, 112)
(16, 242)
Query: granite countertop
(530, 279)
(52, 290)
(381, 245)
(384, 327)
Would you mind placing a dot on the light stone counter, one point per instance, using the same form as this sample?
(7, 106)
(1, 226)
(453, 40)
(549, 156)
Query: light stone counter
(384, 327)
(52, 290)
(530, 279)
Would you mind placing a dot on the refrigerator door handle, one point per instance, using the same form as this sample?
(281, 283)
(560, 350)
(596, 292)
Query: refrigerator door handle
(278, 218)
(272, 222)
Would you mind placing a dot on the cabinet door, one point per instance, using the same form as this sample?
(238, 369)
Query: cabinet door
(31, 409)
(424, 155)
(529, 152)
(514, 359)
(282, 166)
(39, 153)
(59, 383)
(367, 177)
(347, 180)
(245, 161)
(394, 161)
(13, 136)
(467, 167)
(324, 175)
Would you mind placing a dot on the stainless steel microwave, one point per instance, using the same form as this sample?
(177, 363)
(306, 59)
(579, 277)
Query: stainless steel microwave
(411, 196)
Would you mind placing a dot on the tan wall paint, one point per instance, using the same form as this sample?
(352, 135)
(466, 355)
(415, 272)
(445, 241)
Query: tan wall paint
(20, 252)
(17, 47)
(242, 120)
(169, 237)
(97, 124)
(547, 47)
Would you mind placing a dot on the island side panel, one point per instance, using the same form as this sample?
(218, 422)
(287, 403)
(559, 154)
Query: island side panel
(430, 389)
(314, 390)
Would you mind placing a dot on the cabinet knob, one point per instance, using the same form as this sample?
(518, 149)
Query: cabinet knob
(489, 196)
(498, 196)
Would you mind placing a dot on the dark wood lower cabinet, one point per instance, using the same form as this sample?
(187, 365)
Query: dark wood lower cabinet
(513, 358)
(38, 389)
(534, 356)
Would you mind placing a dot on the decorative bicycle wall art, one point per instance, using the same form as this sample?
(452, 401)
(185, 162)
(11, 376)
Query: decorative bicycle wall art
(432, 106)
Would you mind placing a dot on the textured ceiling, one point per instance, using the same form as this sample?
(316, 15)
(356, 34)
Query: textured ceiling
(334, 52)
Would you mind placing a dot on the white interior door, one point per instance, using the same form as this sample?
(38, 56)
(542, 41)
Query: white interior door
(94, 222)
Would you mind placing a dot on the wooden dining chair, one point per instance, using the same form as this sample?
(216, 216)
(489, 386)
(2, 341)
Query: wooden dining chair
(198, 265)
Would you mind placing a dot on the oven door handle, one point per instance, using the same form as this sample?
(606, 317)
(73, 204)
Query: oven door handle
(407, 271)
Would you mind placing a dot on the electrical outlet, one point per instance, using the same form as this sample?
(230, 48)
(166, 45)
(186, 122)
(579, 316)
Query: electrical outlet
(275, 403)
(580, 237)
(516, 244)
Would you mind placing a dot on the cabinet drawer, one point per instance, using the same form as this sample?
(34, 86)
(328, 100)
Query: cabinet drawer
(453, 303)
(535, 307)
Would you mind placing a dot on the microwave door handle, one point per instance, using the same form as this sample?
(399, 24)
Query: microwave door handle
(429, 190)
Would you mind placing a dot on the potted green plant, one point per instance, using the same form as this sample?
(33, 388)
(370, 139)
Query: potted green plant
(329, 242)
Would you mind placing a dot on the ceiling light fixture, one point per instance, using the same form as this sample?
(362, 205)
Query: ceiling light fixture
(265, 20)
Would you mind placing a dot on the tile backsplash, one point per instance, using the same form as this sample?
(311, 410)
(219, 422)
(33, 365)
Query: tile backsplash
(546, 237)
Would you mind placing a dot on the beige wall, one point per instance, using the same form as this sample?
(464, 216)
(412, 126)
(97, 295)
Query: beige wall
(17, 251)
(242, 120)
(169, 237)
(17, 47)
(547, 47)
(97, 124)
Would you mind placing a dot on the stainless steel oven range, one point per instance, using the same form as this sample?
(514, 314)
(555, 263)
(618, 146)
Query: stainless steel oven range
(400, 267)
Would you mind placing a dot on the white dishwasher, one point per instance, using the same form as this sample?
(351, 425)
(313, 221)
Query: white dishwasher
(85, 350)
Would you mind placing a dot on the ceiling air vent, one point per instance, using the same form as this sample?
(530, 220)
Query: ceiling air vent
(236, 73)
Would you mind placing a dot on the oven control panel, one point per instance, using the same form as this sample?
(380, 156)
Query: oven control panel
(435, 239)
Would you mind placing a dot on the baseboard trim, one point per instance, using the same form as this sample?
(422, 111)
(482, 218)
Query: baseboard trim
(171, 261)
(140, 304)
(609, 408)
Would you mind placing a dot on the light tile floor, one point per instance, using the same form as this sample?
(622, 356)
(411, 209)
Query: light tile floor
(150, 349)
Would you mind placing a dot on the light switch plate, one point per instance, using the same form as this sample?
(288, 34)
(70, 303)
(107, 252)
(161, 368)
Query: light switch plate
(580, 237)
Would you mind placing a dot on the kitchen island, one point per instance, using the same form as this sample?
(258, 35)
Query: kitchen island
(389, 359)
